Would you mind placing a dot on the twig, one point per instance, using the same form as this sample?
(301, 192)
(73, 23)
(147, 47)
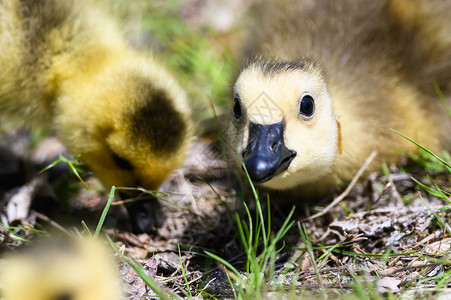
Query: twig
(51, 222)
(347, 190)
(431, 265)
(305, 274)
(386, 187)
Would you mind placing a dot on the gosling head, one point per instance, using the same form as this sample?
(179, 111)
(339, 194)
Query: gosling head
(283, 129)
(130, 124)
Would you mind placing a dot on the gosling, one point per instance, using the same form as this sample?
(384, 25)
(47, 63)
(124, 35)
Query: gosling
(77, 269)
(66, 64)
(330, 80)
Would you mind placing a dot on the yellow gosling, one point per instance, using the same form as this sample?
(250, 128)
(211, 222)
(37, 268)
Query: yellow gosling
(329, 81)
(66, 64)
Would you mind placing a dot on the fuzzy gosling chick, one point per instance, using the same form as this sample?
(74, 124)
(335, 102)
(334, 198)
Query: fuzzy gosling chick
(331, 80)
(77, 269)
(66, 63)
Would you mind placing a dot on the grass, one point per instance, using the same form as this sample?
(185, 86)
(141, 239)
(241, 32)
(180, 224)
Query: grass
(256, 277)
(442, 98)
(260, 251)
(12, 232)
(426, 150)
(260, 246)
(105, 211)
(207, 72)
(201, 60)
(435, 163)
(142, 273)
(72, 166)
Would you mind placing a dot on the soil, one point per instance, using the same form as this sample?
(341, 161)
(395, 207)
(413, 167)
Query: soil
(387, 233)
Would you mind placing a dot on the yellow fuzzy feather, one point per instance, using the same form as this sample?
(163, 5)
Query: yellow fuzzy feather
(66, 64)
(368, 66)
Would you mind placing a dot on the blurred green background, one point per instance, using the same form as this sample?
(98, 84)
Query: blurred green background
(198, 41)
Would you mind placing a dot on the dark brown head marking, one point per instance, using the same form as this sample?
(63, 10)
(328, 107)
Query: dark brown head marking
(158, 122)
(280, 67)
(274, 68)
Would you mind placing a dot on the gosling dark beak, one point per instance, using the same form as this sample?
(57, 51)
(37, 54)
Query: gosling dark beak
(145, 213)
(266, 154)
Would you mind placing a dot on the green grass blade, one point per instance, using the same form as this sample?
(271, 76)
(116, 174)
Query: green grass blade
(285, 226)
(236, 275)
(443, 192)
(71, 166)
(14, 235)
(50, 165)
(105, 211)
(85, 226)
(440, 220)
(162, 294)
(254, 191)
(448, 166)
(262, 224)
(442, 98)
(184, 274)
(437, 193)
(308, 243)
(241, 232)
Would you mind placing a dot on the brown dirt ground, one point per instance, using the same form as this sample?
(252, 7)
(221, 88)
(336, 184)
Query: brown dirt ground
(379, 216)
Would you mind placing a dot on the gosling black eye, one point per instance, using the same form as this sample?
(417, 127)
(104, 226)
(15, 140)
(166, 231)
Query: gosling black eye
(122, 162)
(237, 108)
(307, 106)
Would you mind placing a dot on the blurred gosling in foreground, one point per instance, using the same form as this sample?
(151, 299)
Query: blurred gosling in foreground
(80, 269)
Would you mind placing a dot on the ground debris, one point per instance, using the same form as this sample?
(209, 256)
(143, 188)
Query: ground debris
(198, 212)
(388, 285)
(19, 201)
(438, 247)
(391, 223)
(134, 287)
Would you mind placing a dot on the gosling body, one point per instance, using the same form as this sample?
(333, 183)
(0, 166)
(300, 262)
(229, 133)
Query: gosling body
(78, 269)
(66, 64)
(337, 75)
